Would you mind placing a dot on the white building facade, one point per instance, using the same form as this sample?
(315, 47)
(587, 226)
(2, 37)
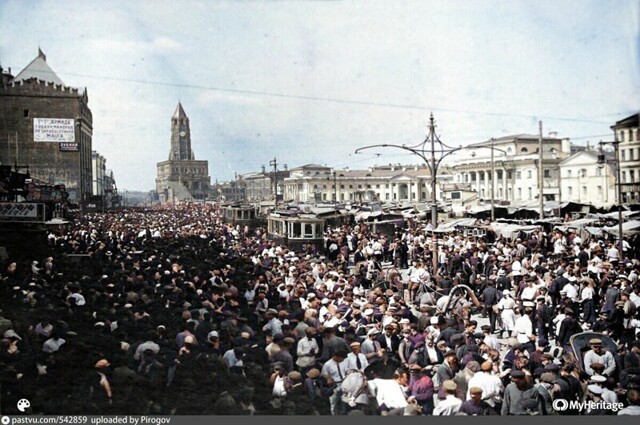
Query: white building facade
(585, 181)
(391, 183)
(513, 164)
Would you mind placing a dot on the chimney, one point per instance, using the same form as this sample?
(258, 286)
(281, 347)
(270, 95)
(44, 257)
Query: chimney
(553, 134)
(286, 167)
(263, 169)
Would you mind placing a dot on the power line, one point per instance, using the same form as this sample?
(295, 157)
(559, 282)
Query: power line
(331, 99)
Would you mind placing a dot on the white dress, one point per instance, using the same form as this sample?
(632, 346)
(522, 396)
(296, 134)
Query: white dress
(508, 316)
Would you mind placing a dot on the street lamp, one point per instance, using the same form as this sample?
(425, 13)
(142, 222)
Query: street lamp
(436, 155)
(601, 162)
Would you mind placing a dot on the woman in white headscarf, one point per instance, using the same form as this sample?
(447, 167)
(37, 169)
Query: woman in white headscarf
(508, 316)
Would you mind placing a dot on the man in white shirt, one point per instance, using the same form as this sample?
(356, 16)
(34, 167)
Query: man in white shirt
(524, 330)
(570, 289)
(356, 360)
(598, 355)
(451, 404)
(491, 385)
(335, 369)
(390, 393)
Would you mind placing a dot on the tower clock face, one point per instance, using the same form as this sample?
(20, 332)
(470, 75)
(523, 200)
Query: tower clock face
(183, 133)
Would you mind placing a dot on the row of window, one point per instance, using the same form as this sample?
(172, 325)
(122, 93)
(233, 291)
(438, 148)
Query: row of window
(627, 135)
(629, 154)
(584, 192)
(472, 177)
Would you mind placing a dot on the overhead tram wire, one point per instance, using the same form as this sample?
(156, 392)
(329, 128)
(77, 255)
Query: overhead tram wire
(332, 100)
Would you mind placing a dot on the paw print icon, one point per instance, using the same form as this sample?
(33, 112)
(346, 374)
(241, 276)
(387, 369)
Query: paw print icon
(23, 404)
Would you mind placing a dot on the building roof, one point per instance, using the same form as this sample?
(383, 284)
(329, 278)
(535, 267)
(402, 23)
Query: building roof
(513, 137)
(312, 166)
(630, 121)
(38, 68)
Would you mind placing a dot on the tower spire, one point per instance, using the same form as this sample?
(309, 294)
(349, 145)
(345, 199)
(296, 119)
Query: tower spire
(180, 136)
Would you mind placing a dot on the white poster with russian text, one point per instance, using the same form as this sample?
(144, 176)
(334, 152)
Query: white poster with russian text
(58, 130)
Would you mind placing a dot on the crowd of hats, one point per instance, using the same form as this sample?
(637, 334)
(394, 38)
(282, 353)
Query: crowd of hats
(156, 302)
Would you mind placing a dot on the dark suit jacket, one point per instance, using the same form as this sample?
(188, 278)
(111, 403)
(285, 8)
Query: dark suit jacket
(395, 342)
(568, 327)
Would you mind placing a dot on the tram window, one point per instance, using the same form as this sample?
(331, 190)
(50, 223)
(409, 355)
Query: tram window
(296, 231)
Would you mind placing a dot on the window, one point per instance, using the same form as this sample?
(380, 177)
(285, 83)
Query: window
(631, 152)
(524, 150)
(598, 171)
(359, 186)
(386, 186)
(570, 190)
(569, 173)
(509, 175)
(624, 176)
(324, 186)
(368, 186)
(519, 193)
(547, 173)
(584, 192)
(518, 175)
(499, 176)
(623, 154)
(583, 172)
(26, 113)
(632, 176)
(386, 196)
(600, 192)
(500, 192)
(530, 193)
(424, 195)
(529, 174)
(341, 186)
(377, 186)
(350, 186)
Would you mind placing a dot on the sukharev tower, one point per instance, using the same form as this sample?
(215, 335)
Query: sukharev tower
(182, 178)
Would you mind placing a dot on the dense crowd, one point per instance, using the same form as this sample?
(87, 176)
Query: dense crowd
(172, 311)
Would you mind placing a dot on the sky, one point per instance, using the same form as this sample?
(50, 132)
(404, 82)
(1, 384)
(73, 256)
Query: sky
(312, 81)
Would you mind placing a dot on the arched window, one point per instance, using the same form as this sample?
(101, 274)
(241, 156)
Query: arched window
(524, 150)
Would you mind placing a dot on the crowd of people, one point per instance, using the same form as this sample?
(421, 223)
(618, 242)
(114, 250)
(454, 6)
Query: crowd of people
(172, 311)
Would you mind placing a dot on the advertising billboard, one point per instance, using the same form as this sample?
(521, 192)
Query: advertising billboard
(57, 130)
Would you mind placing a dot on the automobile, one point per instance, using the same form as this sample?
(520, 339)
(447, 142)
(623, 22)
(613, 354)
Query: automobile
(580, 345)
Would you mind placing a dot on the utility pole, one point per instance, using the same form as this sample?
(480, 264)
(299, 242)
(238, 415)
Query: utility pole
(274, 163)
(541, 171)
(493, 187)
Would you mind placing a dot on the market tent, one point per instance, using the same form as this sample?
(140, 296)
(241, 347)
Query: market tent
(511, 231)
(629, 228)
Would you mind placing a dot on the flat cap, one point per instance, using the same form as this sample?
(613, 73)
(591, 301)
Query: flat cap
(449, 385)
